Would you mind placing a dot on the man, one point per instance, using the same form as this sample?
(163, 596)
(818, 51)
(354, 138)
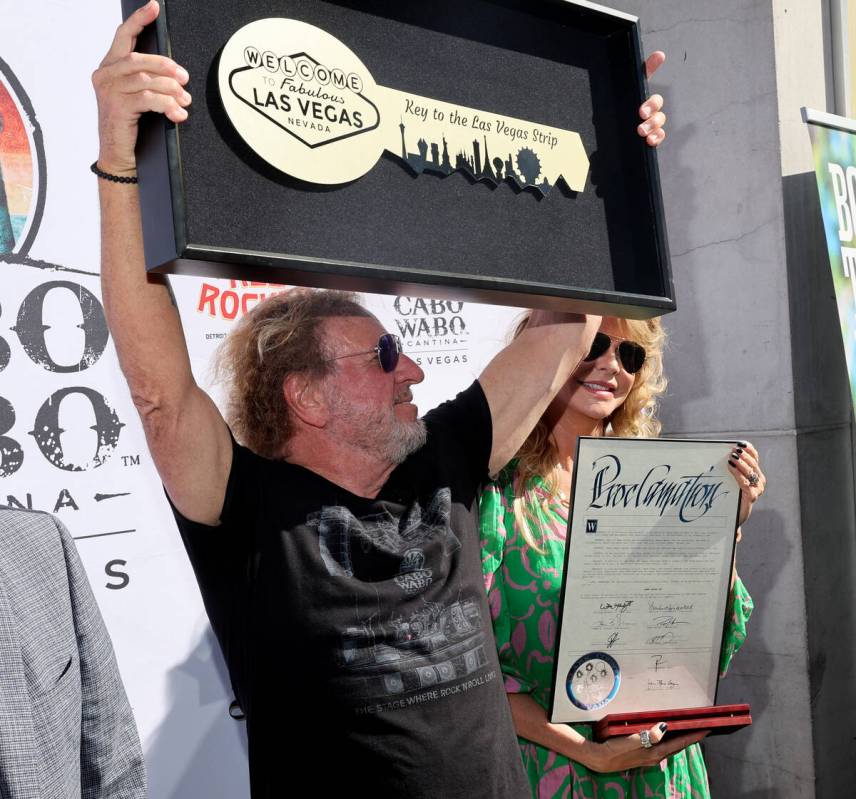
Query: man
(338, 554)
(66, 729)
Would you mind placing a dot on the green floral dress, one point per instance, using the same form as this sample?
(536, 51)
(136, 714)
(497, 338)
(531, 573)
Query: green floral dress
(524, 588)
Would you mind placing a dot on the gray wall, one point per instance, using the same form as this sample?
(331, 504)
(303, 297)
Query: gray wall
(753, 313)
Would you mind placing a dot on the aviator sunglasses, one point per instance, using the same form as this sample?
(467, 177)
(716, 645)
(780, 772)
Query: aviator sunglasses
(630, 354)
(388, 349)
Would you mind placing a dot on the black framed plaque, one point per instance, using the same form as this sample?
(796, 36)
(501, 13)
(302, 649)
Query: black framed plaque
(505, 163)
(648, 567)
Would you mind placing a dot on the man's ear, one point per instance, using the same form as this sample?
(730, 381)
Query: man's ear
(306, 399)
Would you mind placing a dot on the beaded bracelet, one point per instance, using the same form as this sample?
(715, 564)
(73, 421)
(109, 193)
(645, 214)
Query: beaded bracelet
(113, 178)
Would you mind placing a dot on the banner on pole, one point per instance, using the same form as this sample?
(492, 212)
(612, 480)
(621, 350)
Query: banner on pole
(833, 141)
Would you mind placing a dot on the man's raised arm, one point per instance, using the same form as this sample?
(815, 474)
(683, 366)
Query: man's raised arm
(186, 434)
(521, 381)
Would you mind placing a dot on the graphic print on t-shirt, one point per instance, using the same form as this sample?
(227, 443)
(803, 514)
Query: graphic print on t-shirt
(402, 644)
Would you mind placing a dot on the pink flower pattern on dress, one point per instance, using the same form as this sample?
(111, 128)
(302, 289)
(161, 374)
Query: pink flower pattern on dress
(547, 630)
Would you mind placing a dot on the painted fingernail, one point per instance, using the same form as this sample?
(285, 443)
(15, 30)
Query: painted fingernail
(743, 443)
(664, 727)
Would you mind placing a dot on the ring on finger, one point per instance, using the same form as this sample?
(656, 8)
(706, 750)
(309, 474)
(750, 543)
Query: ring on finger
(753, 479)
(645, 739)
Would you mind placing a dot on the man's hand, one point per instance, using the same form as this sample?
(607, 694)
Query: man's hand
(129, 83)
(187, 436)
(652, 128)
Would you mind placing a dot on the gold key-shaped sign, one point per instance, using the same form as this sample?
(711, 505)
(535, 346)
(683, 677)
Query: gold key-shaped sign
(307, 105)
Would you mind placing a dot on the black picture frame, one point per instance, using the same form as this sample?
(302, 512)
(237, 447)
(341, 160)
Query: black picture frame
(684, 720)
(212, 207)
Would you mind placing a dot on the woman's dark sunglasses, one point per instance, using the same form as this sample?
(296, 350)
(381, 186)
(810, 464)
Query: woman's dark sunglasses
(388, 349)
(630, 354)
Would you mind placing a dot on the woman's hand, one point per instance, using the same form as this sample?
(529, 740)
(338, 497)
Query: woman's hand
(616, 754)
(744, 464)
(621, 754)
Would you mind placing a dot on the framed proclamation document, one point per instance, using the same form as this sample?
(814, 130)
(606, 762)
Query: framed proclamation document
(649, 558)
(472, 149)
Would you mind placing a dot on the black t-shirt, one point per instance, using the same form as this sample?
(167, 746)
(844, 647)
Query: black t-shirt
(356, 631)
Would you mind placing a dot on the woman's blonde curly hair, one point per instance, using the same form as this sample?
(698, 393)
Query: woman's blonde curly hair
(635, 418)
(282, 335)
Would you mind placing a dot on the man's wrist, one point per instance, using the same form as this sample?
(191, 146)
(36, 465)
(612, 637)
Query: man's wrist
(125, 179)
(117, 166)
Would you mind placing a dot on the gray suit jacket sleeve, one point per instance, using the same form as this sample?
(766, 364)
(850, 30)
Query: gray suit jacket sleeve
(111, 760)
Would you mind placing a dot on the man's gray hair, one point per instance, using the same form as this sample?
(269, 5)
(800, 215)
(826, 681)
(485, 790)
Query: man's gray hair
(280, 336)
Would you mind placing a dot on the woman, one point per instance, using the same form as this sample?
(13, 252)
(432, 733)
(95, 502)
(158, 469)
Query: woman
(524, 517)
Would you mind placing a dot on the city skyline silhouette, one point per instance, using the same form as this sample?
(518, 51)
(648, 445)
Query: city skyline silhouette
(434, 157)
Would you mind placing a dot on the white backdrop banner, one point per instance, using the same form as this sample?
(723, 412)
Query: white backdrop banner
(70, 439)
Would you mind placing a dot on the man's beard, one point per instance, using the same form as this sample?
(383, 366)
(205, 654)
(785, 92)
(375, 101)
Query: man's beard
(371, 429)
(405, 438)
